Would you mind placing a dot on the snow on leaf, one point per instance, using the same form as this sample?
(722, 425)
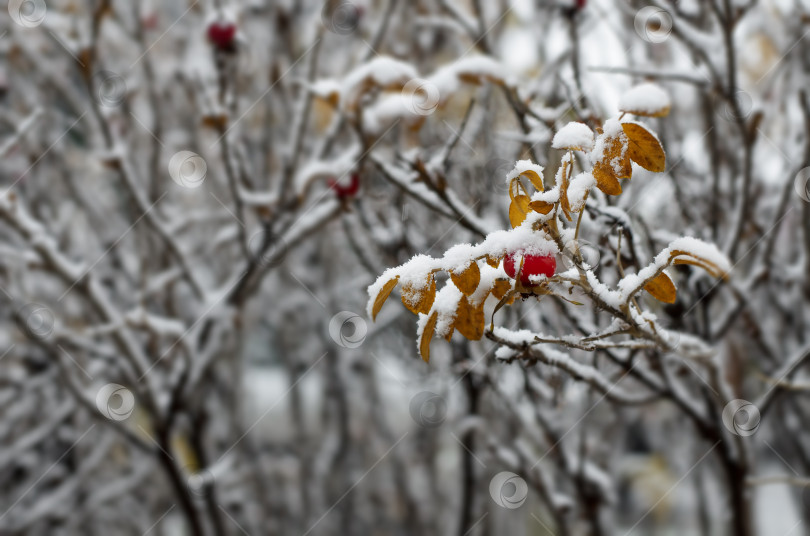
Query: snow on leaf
(574, 136)
(647, 100)
(578, 190)
(419, 298)
(612, 164)
(528, 169)
(467, 280)
(382, 72)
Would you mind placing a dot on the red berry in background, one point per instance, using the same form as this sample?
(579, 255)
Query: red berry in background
(344, 191)
(222, 34)
(532, 265)
(149, 21)
(580, 4)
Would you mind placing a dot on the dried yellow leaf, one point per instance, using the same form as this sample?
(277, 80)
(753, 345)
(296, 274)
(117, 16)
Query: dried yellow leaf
(709, 266)
(542, 207)
(518, 209)
(501, 287)
(644, 148)
(426, 335)
(467, 280)
(662, 288)
(613, 165)
(469, 320)
(536, 180)
(564, 204)
(493, 261)
(382, 296)
(419, 300)
(661, 112)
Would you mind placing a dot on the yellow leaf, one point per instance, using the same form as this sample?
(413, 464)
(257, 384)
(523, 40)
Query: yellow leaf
(469, 320)
(493, 261)
(541, 206)
(713, 269)
(467, 280)
(536, 180)
(382, 296)
(662, 112)
(613, 165)
(426, 335)
(518, 209)
(501, 287)
(644, 148)
(662, 288)
(564, 204)
(419, 300)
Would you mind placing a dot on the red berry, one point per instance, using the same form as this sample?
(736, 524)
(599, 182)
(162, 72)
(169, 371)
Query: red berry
(532, 265)
(222, 34)
(580, 4)
(149, 21)
(346, 191)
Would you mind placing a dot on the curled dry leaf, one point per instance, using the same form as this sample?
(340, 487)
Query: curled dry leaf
(662, 288)
(534, 178)
(644, 148)
(564, 204)
(419, 300)
(382, 296)
(713, 269)
(426, 335)
(518, 209)
(467, 280)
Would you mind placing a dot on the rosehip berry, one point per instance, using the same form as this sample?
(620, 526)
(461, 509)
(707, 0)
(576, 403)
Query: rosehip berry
(222, 34)
(349, 190)
(532, 265)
